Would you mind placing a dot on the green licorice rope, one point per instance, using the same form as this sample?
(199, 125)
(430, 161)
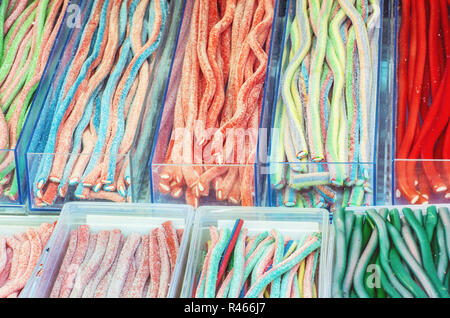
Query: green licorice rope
(213, 267)
(442, 263)
(444, 215)
(367, 231)
(349, 221)
(427, 258)
(359, 281)
(394, 217)
(341, 253)
(384, 253)
(411, 262)
(386, 285)
(3, 7)
(403, 275)
(431, 221)
(353, 254)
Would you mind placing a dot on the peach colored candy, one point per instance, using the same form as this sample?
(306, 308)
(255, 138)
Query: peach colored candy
(123, 265)
(14, 244)
(45, 231)
(103, 285)
(65, 264)
(50, 193)
(307, 281)
(5, 273)
(106, 263)
(89, 270)
(21, 237)
(129, 278)
(90, 250)
(3, 255)
(18, 9)
(164, 279)
(19, 282)
(24, 256)
(89, 140)
(155, 265)
(143, 268)
(172, 244)
(102, 70)
(77, 259)
(3, 131)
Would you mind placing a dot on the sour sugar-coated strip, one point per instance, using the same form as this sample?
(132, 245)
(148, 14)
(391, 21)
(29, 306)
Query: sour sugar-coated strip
(229, 249)
(154, 264)
(143, 269)
(213, 267)
(301, 253)
(238, 266)
(200, 291)
(92, 266)
(111, 251)
(172, 243)
(77, 259)
(164, 280)
(65, 264)
(278, 258)
(119, 276)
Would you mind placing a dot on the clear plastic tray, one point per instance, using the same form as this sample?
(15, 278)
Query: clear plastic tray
(368, 175)
(129, 218)
(288, 221)
(27, 131)
(165, 123)
(12, 224)
(415, 165)
(362, 211)
(139, 156)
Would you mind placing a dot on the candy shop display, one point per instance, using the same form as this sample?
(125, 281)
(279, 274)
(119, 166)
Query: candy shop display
(422, 136)
(322, 144)
(221, 66)
(21, 245)
(393, 252)
(28, 30)
(257, 257)
(91, 116)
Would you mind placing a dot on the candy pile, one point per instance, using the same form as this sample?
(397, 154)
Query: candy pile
(105, 264)
(218, 102)
(422, 132)
(386, 255)
(324, 120)
(268, 265)
(95, 106)
(19, 255)
(28, 30)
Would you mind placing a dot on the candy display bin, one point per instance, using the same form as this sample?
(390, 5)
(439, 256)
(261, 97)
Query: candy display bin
(292, 222)
(12, 224)
(129, 218)
(13, 185)
(133, 165)
(324, 184)
(413, 181)
(257, 139)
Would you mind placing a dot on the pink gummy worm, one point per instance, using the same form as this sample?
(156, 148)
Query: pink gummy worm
(77, 259)
(155, 265)
(65, 264)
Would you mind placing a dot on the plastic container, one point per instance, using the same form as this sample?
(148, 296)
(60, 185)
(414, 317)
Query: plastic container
(415, 166)
(366, 193)
(139, 155)
(129, 218)
(18, 153)
(165, 123)
(362, 211)
(292, 222)
(12, 224)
